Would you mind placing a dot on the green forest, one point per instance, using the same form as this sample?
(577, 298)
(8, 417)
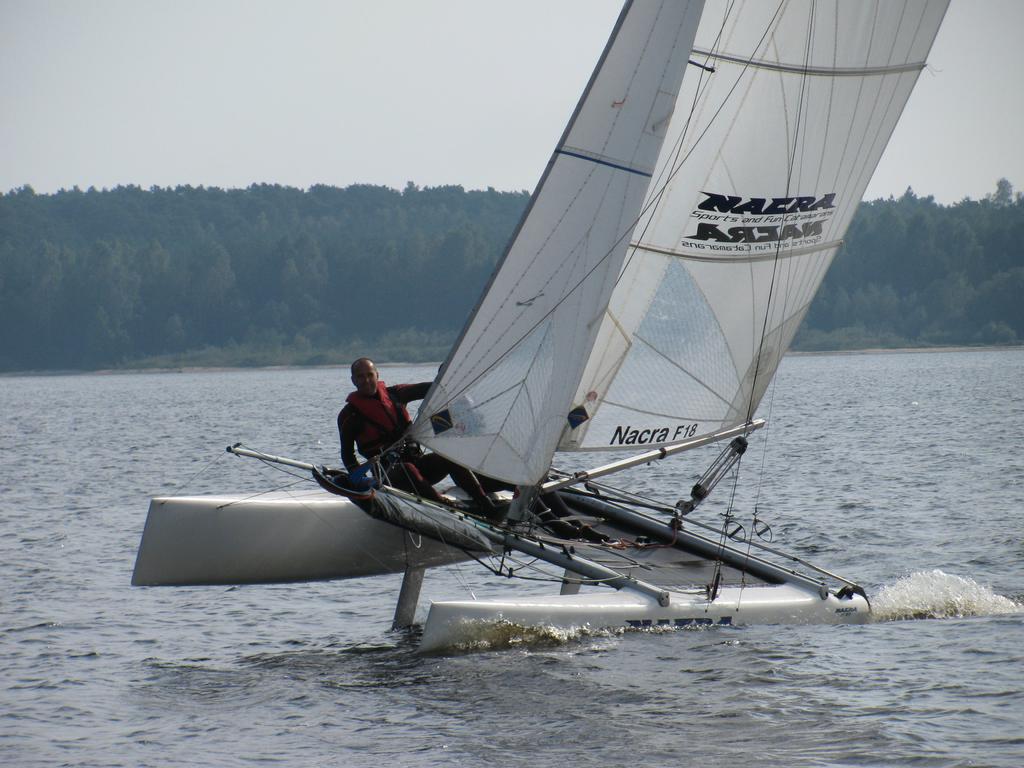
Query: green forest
(272, 275)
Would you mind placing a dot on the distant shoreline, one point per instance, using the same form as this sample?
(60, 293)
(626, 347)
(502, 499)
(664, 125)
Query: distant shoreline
(230, 368)
(906, 350)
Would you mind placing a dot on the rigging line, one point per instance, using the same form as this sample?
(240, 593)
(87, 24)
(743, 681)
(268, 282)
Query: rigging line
(831, 97)
(513, 573)
(277, 468)
(264, 493)
(653, 203)
(880, 138)
(627, 497)
(440, 531)
(220, 456)
(797, 136)
(802, 117)
(461, 577)
(266, 557)
(870, 109)
(728, 517)
(750, 546)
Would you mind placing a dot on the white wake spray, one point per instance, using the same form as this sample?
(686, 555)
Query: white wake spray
(938, 595)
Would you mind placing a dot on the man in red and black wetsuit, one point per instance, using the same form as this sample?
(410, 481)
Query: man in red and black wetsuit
(374, 419)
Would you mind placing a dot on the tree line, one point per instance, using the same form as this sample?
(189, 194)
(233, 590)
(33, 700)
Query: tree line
(278, 275)
(912, 272)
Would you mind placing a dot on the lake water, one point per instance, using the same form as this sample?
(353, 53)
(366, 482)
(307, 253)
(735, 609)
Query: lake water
(901, 470)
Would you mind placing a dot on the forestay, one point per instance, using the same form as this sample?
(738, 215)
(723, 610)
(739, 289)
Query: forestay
(753, 192)
(501, 400)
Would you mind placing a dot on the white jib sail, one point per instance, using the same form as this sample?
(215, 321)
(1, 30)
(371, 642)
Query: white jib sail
(753, 192)
(500, 403)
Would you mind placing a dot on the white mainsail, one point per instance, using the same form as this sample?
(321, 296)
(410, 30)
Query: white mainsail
(500, 402)
(754, 190)
(712, 205)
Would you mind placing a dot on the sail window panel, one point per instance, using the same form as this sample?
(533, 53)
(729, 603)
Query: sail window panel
(652, 384)
(738, 293)
(750, 300)
(655, 308)
(636, 288)
(700, 343)
(677, 370)
(681, 327)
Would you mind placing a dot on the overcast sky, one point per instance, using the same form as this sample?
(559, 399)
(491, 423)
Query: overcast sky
(231, 92)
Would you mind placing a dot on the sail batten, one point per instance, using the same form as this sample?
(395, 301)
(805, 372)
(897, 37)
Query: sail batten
(772, 254)
(601, 160)
(819, 71)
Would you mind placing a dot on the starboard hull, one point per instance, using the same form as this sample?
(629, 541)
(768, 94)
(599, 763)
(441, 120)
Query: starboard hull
(274, 538)
(452, 625)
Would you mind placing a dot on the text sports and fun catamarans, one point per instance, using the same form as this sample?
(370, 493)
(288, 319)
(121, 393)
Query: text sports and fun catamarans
(672, 247)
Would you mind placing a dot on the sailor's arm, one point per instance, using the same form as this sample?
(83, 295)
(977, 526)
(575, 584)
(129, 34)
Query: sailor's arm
(406, 393)
(347, 433)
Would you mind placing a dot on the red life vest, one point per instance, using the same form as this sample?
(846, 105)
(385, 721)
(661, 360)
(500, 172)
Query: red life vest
(384, 421)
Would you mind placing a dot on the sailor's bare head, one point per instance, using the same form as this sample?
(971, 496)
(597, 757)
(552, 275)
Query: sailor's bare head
(364, 376)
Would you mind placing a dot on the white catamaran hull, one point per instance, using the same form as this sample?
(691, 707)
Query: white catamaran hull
(274, 537)
(452, 624)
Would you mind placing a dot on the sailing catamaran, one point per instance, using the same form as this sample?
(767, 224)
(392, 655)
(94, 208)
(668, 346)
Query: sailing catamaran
(666, 259)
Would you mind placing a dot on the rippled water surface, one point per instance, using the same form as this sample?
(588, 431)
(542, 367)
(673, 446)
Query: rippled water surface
(901, 470)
